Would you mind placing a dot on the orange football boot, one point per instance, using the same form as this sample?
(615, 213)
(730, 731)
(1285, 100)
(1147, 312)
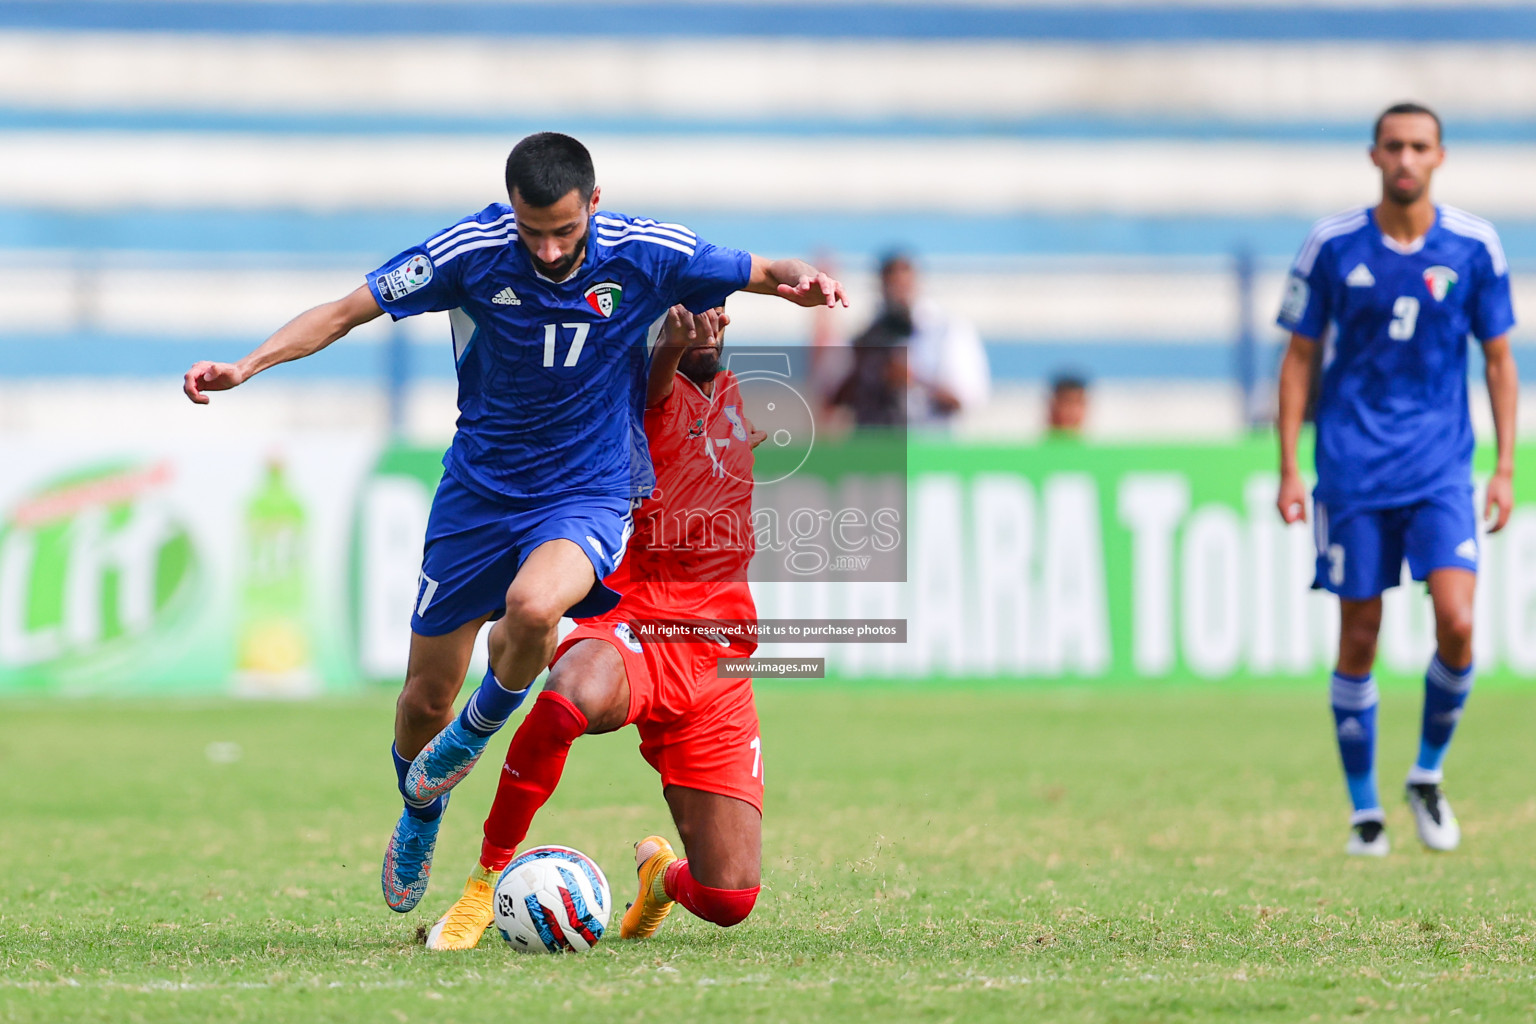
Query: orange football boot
(653, 855)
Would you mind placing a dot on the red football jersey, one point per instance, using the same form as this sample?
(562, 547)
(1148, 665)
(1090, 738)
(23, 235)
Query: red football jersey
(697, 524)
(693, 537)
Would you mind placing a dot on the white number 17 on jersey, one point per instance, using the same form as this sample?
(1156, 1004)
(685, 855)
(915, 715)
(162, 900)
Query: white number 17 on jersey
(574, 353)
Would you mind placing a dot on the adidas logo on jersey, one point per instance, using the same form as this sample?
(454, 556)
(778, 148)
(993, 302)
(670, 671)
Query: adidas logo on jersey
(1467, 549)
(1360, 277)
(506, 297)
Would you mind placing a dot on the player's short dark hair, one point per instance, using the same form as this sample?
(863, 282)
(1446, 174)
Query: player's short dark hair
(546, 167)
(892, 260)
(1068, 382)
(1405, 108)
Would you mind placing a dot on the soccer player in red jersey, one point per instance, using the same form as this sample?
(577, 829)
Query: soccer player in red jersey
(687, 560)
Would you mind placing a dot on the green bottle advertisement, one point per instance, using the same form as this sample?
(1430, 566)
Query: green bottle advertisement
(274, 657)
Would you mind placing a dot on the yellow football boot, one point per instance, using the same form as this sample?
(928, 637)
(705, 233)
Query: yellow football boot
(653, 855)
(469, 916)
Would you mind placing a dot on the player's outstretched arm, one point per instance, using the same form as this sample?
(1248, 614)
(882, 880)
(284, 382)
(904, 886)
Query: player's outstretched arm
(797, 281)
(1295, 383)
(304, 335)
(1503, 395)
(680, 330)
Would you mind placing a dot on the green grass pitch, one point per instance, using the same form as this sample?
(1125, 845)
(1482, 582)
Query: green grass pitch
(936, 854)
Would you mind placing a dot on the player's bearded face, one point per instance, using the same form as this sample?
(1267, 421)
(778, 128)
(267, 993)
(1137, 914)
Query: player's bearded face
(700, 363)
(555, 236)
(561, 268)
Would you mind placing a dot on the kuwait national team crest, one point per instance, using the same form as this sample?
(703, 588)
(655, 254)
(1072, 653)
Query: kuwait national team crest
(605, 297)
(1439, 281)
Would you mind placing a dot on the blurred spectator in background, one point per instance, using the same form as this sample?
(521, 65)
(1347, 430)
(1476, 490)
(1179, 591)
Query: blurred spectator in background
(914, 354)
(947, 372)
(1068, 406)
(874, 390)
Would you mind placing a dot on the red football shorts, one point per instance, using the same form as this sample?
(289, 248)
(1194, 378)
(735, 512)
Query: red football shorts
(696, 729)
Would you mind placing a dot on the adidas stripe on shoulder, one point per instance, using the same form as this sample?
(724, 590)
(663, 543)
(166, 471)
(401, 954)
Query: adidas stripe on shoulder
(1322, 231)
(468, 235)
(686, 250)
(1469, 226)
(465, 228)
(615, 231)
(474, 243)
(678, 231)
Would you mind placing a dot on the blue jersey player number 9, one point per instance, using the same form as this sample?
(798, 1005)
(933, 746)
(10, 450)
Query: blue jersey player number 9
(1405, 316)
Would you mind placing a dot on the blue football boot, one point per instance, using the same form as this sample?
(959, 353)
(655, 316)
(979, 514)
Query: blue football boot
(444, 762)
(408, 860)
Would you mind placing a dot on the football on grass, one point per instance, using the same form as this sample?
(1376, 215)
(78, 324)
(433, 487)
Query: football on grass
(552, 899)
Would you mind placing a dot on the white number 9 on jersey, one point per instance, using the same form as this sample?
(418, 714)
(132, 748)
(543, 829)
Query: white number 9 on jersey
(1405, 316)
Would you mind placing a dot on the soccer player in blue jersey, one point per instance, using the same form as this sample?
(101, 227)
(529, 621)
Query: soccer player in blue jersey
(550, 300)
(1392, 293)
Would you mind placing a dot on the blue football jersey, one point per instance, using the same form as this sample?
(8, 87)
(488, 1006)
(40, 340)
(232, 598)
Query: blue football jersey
(1392, 421)
(552, 374)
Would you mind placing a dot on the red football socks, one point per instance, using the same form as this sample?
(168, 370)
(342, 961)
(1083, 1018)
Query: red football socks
(723, 907)
(535, 760)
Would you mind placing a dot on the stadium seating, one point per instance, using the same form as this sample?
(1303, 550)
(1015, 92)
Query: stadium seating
(178, 178)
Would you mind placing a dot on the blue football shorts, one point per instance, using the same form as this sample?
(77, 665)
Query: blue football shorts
(1360, 551)
(475, 546)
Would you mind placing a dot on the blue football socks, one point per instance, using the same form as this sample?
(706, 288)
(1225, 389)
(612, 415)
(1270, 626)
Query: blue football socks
(1354, 715)
(1445, 693)
(489, 707)
(415, 808)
